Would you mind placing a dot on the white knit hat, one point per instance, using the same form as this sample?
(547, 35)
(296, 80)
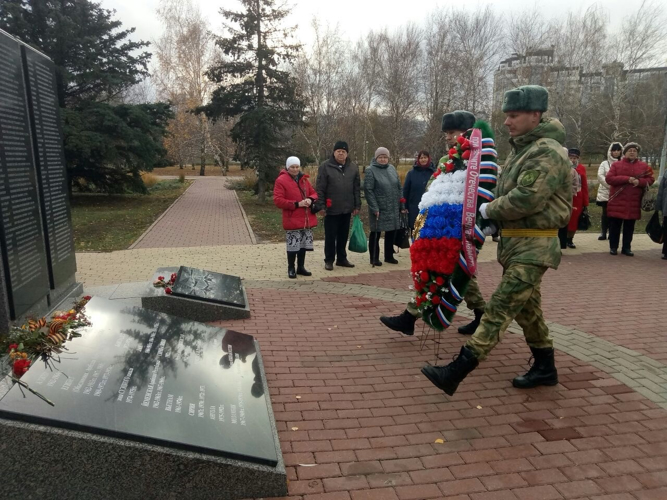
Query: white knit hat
(292, 160)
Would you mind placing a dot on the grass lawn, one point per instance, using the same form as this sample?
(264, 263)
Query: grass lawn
(267, 220)
(103, 223)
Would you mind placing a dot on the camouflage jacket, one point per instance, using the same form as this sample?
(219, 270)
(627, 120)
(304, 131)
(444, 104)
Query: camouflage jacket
(534, 192)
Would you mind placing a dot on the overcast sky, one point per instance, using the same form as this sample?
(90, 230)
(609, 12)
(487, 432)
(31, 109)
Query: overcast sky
(355, 17)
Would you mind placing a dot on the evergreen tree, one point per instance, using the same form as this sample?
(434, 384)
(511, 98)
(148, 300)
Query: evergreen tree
(253, 88)
(94, 60)
(106, 146)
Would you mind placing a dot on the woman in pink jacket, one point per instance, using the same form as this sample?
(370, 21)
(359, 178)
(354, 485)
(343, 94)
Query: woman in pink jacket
(627, 179)
(293, 193)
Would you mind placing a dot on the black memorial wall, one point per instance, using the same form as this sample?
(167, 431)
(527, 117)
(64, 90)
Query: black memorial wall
(21, 235)
(35, 224)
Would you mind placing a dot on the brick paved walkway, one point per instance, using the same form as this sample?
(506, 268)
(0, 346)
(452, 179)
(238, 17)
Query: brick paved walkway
(207, 214)
(358, 421)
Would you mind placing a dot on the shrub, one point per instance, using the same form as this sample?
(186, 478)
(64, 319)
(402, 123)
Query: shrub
(181, 178)
(149, 179)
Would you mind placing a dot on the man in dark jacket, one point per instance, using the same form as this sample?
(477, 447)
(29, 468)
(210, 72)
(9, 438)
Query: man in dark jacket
(339, 193)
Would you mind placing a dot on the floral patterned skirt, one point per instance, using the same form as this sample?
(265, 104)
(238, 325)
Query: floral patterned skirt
(299, 239)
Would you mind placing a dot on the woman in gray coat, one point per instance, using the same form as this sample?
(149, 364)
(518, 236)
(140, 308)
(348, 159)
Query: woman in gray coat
(382, 188)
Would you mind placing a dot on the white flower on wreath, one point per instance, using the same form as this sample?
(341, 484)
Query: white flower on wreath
(446, 188)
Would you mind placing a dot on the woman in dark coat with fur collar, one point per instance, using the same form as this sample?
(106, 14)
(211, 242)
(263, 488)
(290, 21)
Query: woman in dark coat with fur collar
(415, 184)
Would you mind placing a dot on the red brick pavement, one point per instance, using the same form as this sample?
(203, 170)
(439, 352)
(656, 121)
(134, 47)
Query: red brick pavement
(349, 399)
(208, 214)
(619, 299)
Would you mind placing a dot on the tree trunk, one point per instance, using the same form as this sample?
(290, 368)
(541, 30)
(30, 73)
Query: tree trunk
(261, 192)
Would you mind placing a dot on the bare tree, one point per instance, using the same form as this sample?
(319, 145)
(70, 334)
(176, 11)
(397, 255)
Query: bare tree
(321, 79)
(184, 53)
(477, 38)
(398, 87)
(528, 31)
(438, 85)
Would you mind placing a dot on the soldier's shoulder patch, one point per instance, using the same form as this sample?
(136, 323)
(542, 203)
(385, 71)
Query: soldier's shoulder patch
(528, 178)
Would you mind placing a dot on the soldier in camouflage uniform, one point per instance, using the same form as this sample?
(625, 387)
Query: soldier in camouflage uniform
(533, 200)
(454, 124)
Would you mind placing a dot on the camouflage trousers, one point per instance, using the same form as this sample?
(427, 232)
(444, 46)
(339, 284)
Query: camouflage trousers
(517, 297)
(473, 298)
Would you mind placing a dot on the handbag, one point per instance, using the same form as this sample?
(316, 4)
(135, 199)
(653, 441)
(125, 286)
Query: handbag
(654, 229)
(584, 222)
(648, 199)
(402, 235)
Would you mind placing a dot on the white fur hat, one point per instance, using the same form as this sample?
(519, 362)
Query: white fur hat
(292, 160)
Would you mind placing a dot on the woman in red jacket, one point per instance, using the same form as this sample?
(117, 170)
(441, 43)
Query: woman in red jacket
(293, 193)
(627, 179)
(579, 198)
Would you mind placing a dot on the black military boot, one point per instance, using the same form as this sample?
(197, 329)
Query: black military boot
(301, 260)
(570, 243)
(449, 377)
(404, 323)
(470, 328)
(543, 371)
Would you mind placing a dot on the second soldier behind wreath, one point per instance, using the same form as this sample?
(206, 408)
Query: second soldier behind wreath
(533, 200)
(454, 124)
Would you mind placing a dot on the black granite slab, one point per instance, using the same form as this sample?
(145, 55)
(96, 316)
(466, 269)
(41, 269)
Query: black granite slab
(40, 80)
(21, 236)
(209, 286)
(154, 378)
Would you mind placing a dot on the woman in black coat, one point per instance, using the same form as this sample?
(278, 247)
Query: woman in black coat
(415, 184)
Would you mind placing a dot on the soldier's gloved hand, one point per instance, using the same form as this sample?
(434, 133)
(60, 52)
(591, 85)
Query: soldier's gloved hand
(488, 231)
(482, 210)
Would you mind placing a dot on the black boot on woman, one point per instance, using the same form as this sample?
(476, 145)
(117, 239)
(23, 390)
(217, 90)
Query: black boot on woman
(301, 259)
(291, 259)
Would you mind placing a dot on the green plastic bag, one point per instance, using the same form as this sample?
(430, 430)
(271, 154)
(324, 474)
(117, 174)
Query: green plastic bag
(358, 242)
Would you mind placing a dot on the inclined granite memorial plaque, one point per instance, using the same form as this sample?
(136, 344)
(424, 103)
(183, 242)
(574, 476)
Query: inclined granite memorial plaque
(24, 262)
(208, 286)
(153, 378)
(47, 137)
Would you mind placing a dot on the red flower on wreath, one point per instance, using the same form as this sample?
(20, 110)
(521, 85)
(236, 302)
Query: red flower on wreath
(329, 203)
(167, 291)
(436, 300)
(21, 366)
(460, 139)
(160, 278)
(440, 280)
(449, 166)
(433, 288)
(437, 173)
(12, 346)
(424, 276)
(466, 154)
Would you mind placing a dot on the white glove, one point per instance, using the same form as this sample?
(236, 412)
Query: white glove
(482, 210)
(488, 231)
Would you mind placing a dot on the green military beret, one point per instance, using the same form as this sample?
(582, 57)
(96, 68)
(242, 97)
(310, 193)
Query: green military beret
(526, 98)
(458, 120)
